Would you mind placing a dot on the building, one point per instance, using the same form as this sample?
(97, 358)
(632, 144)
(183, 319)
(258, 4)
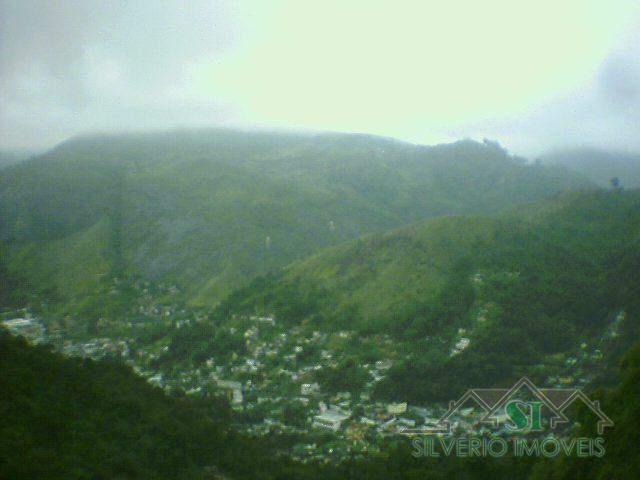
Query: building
(156, 380)
(29, 328)
(384, 364)
(268, 320)
(232, 389)
(397, 408)
(309, 388)
(460, 346)
(330, 418)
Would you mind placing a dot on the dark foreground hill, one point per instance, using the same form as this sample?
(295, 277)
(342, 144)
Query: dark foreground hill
(63, 418)
(209, 210)
(68, 419)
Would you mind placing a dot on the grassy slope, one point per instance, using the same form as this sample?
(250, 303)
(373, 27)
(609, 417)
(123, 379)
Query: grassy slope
(379, 273)
(196, 208)
(553, 274)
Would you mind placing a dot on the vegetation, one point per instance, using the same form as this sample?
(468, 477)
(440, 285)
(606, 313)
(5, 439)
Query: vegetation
(184, 242)
(209, 210)
(522, 287)
(71, 419)
(64, 418)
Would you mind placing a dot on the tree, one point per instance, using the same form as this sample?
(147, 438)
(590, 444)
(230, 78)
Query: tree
(615, 183)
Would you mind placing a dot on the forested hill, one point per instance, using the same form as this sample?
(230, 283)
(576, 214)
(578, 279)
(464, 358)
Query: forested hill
(65, 418)
(208, 210)
(68, 419)
(526, 289)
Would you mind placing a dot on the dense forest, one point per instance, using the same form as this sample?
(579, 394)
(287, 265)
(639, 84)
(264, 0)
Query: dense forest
(65, 418)
(209, 210)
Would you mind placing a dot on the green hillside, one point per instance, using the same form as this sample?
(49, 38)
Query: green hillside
(209, 210)
(11, 157)
(526, 288)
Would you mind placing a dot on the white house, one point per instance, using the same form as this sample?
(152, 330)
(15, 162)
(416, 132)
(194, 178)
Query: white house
(309, 388)
(234, 390)
(460, 346)
(330, 418)
(397, 408)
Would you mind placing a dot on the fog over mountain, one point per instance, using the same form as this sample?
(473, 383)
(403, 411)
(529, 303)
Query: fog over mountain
(421, 71)
(210, 209)
(600, 166)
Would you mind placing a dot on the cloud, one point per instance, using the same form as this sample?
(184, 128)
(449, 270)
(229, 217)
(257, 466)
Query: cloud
(619, 79)
(603, 112)
(533, 75)
(66, 66)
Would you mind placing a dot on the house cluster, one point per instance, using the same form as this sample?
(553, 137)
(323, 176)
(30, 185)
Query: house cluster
(460, 345)
(581, 367)
(28, 327)
(96, 348)
(280, 369)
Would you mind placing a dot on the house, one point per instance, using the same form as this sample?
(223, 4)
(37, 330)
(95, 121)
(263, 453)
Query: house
(309, 388)
(29, 328)
(331, 419)
(406, 422)
(268, 320)
(367, 421)
(567, 380)
(390, 426)
(421, 411)
(384, 364)
(156, 380)
(460, 346)
(397, 408)
(232, 389)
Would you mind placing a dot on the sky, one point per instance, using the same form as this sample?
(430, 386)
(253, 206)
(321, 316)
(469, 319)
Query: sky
(535, 75)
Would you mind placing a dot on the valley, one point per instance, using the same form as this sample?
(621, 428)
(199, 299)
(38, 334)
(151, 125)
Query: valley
(305, 298)
(322, 359)
(319, 240)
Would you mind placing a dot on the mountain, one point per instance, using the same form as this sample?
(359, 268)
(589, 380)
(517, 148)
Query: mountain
(209, 210)
(599, 166)
(522, 290)
(11, 157)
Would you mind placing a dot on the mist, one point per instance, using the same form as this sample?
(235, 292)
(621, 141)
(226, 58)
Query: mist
(535, 76)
